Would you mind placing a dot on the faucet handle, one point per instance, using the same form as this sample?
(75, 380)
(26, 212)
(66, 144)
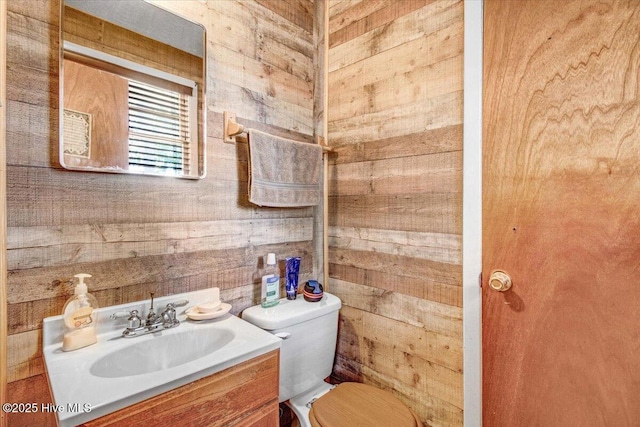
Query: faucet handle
(119, 314)
(134, 321)
(169, 318)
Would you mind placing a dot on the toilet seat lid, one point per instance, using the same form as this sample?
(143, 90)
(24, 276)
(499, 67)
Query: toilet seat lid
(356, 404)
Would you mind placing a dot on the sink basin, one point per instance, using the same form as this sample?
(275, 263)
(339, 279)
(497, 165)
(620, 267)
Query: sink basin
(161, 352)
(117, 372)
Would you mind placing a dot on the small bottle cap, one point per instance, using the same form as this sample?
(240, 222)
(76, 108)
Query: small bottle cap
(271, 259)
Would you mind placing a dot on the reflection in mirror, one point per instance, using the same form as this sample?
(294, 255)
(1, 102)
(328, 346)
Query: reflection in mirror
(132, 89)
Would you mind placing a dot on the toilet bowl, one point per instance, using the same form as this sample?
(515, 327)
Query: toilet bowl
(309, 332)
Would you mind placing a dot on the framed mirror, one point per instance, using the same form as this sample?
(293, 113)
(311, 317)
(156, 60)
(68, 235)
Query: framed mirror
(132, 89)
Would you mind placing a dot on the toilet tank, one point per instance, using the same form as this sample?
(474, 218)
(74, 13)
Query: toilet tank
(309, 331)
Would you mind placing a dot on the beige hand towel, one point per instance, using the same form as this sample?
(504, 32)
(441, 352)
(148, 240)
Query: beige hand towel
(282, 172)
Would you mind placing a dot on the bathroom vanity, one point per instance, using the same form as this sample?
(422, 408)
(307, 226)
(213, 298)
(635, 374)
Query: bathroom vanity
(217, 372)
(245, 395)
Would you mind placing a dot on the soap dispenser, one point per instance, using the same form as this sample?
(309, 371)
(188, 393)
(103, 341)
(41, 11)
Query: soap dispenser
(80, 317)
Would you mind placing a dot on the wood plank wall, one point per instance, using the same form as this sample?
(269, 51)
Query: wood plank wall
(137, 234)
(3, 210)
(395, 118)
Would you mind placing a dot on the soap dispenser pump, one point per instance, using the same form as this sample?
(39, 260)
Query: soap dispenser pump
(80, 317)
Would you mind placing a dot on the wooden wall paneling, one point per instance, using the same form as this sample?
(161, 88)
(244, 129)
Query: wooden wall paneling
(376, 19)
(421, 22)
(25, 355)
(412, 118)
(423, 366)
(350, 13)
(87, 30)
(409, 212)
(140, 233)
(32, 37)
(436, 247)
(411, 56)
(300, 12)
(50, 282)
(42, 246)
(261, 107)
(448, 138)
(28, 126)
(251, 73)
(442, 319)
(431, 272)
(72, 198)
(320, 107)
(338, 6)
(395, 282)
(3, 211)
(438, 79)
(414, 174)
(235, 36)
(267, 24)
(395, 120)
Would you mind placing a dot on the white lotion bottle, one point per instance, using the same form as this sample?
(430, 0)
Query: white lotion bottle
(270, 283)
(80, 317)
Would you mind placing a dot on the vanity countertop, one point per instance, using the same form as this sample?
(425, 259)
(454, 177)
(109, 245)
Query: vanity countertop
(84, 387)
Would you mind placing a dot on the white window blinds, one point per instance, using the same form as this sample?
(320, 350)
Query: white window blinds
(159, 131)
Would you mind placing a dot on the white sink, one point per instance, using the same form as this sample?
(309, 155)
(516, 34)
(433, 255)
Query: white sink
(161, 352)
(117, 372)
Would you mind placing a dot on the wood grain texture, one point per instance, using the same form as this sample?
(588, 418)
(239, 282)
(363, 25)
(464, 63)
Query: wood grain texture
(3, 210)
(429, 212)
(90, 31)
(411, 26)
(43, 246)
(395, 220)
(300, 12)
(560, 212)
(367, 16)
(242, 395)
(141, 233)
(108, 106)
(320, 107)
(34, 389)
(418, 366)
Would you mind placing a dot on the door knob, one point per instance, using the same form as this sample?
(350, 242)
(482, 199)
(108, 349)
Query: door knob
(500, 281)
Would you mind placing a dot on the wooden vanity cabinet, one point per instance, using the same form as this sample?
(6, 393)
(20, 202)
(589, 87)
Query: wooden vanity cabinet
(245, 395)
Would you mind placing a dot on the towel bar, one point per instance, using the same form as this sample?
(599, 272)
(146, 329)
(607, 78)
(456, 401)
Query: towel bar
(231, 128)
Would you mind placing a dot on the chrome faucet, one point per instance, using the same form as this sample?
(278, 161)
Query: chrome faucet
(136, 326)
(152, 317)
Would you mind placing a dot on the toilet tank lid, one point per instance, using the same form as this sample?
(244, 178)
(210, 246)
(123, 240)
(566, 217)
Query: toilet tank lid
(290, 312)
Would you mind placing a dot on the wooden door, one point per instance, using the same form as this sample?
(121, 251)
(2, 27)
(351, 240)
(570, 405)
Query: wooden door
(561, 212)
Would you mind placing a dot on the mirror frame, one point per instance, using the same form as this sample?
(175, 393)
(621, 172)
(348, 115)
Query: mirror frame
(202, 109)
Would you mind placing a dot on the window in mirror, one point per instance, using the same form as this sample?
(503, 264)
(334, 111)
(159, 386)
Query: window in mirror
(160, 138)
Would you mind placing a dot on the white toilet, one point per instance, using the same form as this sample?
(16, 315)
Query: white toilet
(309, 331)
